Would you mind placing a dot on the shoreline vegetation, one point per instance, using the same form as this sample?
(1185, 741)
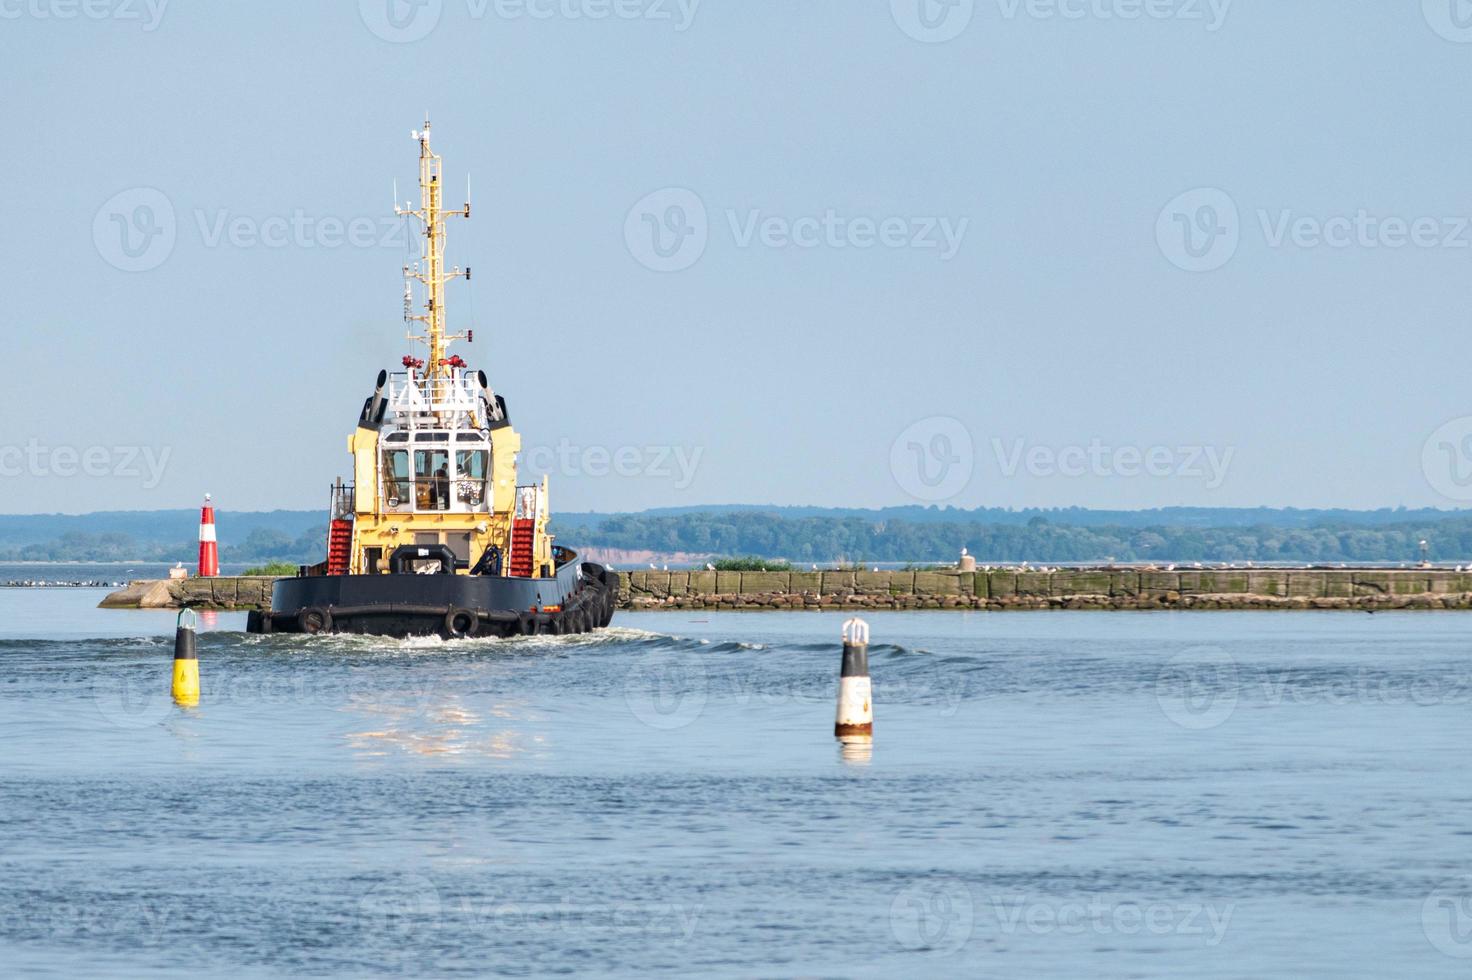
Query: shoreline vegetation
(915, 536)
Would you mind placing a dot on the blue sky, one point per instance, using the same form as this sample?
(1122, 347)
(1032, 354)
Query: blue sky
(1110, 253)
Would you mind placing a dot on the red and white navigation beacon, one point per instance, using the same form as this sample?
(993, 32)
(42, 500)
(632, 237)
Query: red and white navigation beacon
(209, 548)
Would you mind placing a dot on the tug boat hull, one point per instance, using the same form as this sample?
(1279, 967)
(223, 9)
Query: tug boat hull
(579, 598)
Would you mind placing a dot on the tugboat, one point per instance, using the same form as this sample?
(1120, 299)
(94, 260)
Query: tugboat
(434, 537)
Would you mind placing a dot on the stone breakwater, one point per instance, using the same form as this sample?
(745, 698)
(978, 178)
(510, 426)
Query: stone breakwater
(253, 592)
(1344, 588)
(1340, 588)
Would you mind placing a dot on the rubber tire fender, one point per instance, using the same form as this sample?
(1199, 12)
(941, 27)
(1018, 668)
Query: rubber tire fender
(313, 620)
(455, 615)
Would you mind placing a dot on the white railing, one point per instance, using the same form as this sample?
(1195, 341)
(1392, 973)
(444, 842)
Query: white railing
(441, 396)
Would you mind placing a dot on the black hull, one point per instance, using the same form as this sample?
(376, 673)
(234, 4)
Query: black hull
(578, 599)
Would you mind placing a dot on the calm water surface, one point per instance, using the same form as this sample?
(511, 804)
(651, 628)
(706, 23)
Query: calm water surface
(1080, 794)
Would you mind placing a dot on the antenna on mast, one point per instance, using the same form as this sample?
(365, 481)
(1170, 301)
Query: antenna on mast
(429, 268)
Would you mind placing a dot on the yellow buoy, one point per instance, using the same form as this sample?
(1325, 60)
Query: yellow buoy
(186, 662)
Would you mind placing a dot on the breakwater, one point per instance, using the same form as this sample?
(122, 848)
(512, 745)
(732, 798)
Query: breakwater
(1073, 588)
(226, 593)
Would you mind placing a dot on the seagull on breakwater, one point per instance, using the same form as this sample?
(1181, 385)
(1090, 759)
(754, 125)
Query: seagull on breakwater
(709, 567)
(653, 567)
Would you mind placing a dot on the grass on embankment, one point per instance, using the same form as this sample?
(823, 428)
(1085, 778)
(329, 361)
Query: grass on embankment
(278, 569)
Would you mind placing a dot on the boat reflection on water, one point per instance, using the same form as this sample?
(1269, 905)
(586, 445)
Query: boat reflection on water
(440, 726)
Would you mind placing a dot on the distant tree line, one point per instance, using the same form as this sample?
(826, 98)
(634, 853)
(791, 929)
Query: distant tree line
(260, 545)
(827, 539)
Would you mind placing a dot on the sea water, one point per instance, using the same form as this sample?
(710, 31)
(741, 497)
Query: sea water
(1047, 794)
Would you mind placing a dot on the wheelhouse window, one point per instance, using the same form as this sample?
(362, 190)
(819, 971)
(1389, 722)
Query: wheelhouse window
(436, 471)
(396, 479)
(431, 479)
(471, 467)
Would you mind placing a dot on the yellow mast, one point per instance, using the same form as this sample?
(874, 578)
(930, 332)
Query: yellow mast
(430, 270)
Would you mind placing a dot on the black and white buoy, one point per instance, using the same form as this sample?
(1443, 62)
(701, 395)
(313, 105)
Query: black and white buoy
(855, 695)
